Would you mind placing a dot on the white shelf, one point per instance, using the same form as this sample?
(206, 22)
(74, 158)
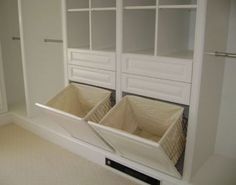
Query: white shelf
(142, 52)
(92, 9)
(177, 6)
(139, 7)
(78, 10)
(104, 9)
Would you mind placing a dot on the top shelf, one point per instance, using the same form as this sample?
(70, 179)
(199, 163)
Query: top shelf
(91, 9)
(177, 6)
(160, 7)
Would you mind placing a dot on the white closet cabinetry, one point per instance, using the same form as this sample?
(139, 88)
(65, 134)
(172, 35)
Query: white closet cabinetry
(132, 46)
(91, 42)
(3, 102)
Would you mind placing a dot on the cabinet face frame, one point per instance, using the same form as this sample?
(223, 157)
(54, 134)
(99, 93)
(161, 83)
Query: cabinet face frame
(3, 98)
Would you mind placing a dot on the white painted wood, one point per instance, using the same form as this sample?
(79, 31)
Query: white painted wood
(177, 6)
(92, 76)
(43, 62)
(75, 126)
(3, 98)
(90, 152)
(158, 67)
(139, 7)
(64, 38)
(207, 84)
(136, 150)
(104, 9)
(93, 59)
(195, 90)
(119, 47)
(177, 92)
(11, 53)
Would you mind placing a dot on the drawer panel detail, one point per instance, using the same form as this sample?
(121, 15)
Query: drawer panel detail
(177, 92)
(158, 67)
(95, 77)
(94, 59)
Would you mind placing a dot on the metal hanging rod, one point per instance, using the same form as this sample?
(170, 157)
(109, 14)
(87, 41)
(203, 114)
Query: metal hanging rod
(53, 40)
(222, 54)
(15, 38)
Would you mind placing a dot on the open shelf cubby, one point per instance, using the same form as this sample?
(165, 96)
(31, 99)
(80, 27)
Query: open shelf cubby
(104, 30)
(139, 31)
(78, 30)
(139, 3)
(103, 3)
(176, 33)
(77, 4)
(177, 2)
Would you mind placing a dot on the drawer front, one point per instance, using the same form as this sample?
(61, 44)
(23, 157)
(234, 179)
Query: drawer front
(177, 92)
(94, 59)
(91, 76)
(158, 67)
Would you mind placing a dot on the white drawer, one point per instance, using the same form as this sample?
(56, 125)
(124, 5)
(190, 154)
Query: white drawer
(94, 59)
(101, 78)
(158, 67)
(177, 92)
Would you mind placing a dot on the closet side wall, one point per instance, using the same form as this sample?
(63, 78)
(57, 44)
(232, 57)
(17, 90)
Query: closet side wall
(225, 142)
(211, 82)
(11, 52)
(43, 60)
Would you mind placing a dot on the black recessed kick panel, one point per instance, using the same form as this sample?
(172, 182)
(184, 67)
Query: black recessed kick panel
(132, 172)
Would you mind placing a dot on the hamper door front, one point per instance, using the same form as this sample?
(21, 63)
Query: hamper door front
(134, 149)
(76, 127)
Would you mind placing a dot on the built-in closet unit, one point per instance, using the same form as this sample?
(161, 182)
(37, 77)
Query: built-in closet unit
(11, 56)
(139, 47)
(152, 48)
(32, 53)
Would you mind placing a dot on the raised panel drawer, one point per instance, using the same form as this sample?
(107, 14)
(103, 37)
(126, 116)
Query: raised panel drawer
(94, 59)
(158, 67)
(101, 78)
(177, 92)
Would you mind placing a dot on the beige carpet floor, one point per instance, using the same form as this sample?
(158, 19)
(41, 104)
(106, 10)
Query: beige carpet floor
(26, 159)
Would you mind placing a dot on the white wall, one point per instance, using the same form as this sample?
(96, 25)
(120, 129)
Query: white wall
(211, 82)
(226, 134)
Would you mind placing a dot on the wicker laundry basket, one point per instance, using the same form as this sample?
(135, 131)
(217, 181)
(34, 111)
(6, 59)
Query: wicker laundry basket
(146, 131)
(74, 106)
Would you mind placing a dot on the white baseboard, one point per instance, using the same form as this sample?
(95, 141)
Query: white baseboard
(89, 152)
(5, 118)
